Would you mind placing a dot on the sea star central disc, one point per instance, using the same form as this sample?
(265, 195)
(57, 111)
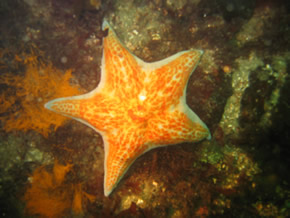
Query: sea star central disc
(137, 106)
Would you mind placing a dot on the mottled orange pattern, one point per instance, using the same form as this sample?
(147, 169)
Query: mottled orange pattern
(137, 106)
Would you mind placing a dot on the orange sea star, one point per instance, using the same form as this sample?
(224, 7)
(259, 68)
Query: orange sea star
(137, 106)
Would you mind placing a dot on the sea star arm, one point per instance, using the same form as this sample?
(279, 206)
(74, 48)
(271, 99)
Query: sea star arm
(122, 148)
(96, 110)
(166, 80)
(174, 128)
(121, 74)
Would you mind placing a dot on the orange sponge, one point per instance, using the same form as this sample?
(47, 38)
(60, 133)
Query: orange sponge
(36, 82)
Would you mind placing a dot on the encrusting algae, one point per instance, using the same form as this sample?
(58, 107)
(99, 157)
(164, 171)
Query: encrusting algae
(46, 197)
(31, 82)
(51, 195)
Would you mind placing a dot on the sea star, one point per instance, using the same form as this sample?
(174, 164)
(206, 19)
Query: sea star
(137, 106)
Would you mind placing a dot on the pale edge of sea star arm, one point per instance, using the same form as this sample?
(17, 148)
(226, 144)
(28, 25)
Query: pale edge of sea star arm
(123, 76)
(122, 147)
(98, 111)
(173, 128)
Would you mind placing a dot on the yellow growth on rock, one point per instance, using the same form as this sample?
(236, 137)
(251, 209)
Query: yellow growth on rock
(77, 199)
(51, 195)
(46, 196)
(80, 199)
(36, 82)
